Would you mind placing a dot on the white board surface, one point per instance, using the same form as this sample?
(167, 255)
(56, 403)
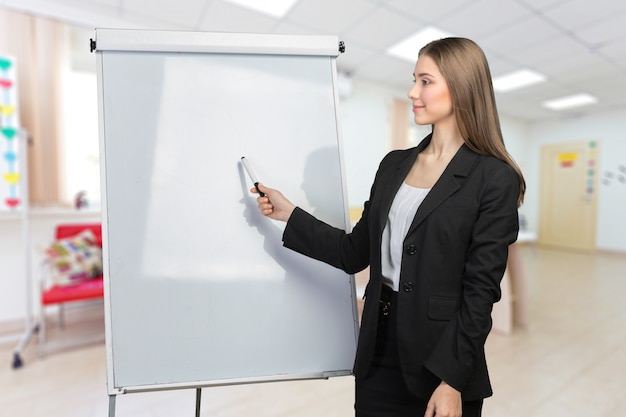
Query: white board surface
(199, 290)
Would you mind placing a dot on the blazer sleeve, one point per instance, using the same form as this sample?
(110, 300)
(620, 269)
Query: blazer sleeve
(350, 252)
(309, 236)
(454, 357)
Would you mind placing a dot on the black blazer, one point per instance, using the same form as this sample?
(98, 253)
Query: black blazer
(454, 258)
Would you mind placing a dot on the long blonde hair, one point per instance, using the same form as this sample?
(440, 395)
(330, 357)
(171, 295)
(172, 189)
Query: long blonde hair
(464, 66)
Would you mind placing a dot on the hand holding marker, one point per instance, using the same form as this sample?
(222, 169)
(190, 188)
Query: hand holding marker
(250, 172)
(279, 208)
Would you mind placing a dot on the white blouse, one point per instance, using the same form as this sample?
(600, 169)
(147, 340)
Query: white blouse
(403, 210)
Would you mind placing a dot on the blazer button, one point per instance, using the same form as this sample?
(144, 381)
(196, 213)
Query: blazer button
(408, 287)
(411, 250)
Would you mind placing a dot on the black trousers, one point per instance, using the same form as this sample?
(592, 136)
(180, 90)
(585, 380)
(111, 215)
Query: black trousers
(383, 393)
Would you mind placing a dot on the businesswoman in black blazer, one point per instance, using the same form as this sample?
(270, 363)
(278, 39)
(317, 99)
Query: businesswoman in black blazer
(435, 233)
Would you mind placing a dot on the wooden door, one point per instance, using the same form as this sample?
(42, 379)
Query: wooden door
(568, 201)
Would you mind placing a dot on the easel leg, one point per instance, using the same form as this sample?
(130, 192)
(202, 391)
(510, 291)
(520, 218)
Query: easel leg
(112, 405)
(198, 396)
(17, 359)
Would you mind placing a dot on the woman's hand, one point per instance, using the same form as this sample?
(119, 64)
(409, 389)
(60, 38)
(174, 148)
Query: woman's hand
(445, 402)
(274, 205)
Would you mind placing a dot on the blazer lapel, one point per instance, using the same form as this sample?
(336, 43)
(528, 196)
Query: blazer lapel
(448, 184)
(393, 185)
(396, 178)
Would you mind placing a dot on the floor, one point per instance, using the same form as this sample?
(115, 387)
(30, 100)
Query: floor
(570, 361)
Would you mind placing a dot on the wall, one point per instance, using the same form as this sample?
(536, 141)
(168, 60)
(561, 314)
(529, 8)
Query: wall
(366, 129)
(12, 259)
(38, 46)
(516, 138)
(609, 129)
(366, 135)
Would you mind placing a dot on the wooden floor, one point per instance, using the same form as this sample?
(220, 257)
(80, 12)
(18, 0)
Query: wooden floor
(570, 361)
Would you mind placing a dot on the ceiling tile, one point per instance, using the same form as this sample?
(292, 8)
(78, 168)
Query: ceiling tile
(286, 27)
(165, 11)
(224, 17)
(610, 29)
(522, 110)
(354, 57)
(428, 11)
(576, 14)
(518, 36)
(539, 5)
(542, 52)
(330, 16)
(382, 29)
(73, 12)
(577, 67)
(593, 71)
(580, 46)
(484, 17)
(387, 70)
(536, 93)
(614, 50)
(499, 66)
(605, 87)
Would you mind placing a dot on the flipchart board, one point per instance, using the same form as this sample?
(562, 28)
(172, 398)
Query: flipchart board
(199, 289)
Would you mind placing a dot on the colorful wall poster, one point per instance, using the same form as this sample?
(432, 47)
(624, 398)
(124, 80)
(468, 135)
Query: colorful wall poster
(10, 198)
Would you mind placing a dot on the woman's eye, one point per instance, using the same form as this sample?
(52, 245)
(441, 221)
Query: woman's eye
(425, 82)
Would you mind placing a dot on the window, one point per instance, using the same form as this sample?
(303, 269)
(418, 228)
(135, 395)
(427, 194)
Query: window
(80, 164)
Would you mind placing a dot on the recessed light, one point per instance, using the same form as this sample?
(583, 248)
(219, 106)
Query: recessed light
(517, 79)
(568, 102)
(275, 8)
(408, 48)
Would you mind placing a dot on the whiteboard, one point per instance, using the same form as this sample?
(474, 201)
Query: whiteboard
(199, 290)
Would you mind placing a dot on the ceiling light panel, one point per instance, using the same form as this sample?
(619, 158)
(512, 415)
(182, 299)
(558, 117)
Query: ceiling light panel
(275, 8)
(516, 80)
(569, 102)
(408, 48)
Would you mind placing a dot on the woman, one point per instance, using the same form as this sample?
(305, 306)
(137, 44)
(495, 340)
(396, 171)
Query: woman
(435, 233)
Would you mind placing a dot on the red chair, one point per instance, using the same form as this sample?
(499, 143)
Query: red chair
(93, 289)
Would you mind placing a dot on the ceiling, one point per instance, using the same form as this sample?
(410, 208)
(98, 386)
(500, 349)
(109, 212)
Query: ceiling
(580, 45)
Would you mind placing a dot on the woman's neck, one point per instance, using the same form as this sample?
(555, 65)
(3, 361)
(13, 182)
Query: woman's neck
(446, 141)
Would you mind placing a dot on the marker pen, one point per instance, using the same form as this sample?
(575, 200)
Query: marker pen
(250, 172)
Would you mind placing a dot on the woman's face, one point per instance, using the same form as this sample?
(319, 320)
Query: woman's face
(430, 95)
